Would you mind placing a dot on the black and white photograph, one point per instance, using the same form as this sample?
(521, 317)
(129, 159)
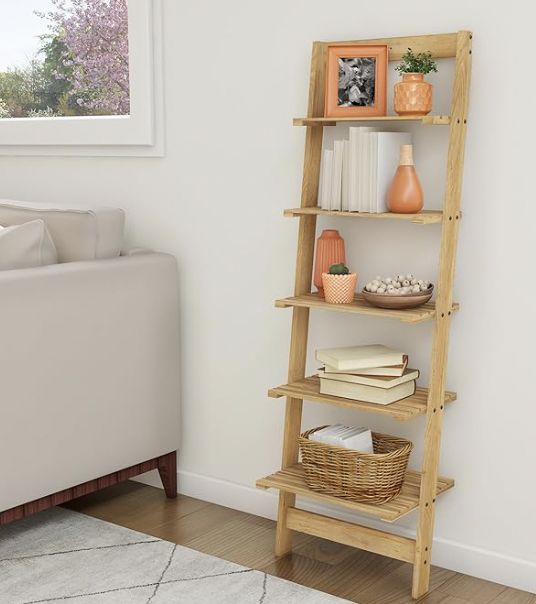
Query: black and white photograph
(357, 81)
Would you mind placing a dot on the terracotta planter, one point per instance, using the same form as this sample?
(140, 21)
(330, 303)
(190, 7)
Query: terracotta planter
(413, 96)
(339, 289)
(329, 250)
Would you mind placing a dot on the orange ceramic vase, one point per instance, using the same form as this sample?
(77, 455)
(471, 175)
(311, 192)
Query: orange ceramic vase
(413, 96)
(405, 194)
(329, 250)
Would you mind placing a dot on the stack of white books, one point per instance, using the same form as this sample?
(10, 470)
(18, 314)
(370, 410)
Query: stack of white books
(357, 172)
(347, 437)
(372, 374)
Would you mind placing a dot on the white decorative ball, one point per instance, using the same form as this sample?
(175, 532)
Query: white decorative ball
(381, 290)
(405, 283)
(416, 289)
(373, 288)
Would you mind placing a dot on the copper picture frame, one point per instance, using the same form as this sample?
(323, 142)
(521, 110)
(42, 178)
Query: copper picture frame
(356, 80)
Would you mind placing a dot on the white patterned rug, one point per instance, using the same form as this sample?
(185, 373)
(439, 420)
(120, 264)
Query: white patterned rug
(62, 556)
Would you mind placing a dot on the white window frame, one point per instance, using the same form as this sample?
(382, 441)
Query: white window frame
(139, 133)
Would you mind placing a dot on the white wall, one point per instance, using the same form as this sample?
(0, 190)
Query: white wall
(236, 73)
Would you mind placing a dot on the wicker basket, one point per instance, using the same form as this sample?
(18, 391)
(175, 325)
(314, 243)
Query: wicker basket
(364, 477)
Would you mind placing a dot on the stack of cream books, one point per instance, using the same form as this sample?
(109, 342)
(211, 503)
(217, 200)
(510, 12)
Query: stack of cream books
(372, 374)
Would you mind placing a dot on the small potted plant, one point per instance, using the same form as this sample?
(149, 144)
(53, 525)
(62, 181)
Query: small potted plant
(339, 284)
(413, 96)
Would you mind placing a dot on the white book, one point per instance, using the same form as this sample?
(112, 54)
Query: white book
(360, 442)
(353, 177)
(372, 146)
(360, 357)
(368, 394)
(325, 186)
(368, 380)
(345, 192)
(336, 186)
(386, 162)
(363, 168)
(325, 434)
(391, 371)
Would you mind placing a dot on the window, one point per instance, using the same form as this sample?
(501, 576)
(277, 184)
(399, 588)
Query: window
(78, 73)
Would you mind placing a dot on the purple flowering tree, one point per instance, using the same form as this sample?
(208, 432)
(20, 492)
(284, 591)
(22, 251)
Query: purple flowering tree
(95, 57)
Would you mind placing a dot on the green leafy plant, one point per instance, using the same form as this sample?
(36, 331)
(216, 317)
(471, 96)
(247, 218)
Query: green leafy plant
(421, 62)
(339, 269)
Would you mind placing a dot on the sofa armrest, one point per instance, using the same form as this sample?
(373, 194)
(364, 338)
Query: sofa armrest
(90, 371)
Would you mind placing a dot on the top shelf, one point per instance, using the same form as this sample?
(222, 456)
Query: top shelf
(428, 120)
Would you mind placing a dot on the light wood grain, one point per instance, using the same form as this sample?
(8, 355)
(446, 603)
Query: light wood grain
(427, 120)
(303, 281)
(406, 409)
(508, 596)
(292, 480)
(371, 540)
(478, 590)
(442, 46)
(424, 217)
(439, 359)
(354, 574)
(390, 592)
(425, 312)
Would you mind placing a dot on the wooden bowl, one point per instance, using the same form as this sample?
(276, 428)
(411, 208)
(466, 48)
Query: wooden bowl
(398, 302)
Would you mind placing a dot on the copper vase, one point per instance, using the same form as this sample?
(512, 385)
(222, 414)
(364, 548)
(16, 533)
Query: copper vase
(413, 96)
(405, 194)
(329, 250)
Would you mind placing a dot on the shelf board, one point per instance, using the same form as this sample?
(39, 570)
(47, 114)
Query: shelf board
(406, 409)
(426, 312)
(424, 217)
(292, 480)
(429, 120)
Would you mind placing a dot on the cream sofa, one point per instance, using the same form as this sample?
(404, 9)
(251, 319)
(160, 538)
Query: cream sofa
(89, 364)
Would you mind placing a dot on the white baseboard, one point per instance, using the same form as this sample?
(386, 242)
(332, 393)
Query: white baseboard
(453, 555)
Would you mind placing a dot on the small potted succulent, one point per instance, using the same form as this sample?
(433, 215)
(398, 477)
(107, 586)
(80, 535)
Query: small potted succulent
(339, 284)
(413, 96)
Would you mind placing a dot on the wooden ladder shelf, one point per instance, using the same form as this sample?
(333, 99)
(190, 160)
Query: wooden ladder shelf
(420, 489)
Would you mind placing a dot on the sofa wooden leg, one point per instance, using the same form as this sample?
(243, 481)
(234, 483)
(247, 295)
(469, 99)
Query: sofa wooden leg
(167, 468)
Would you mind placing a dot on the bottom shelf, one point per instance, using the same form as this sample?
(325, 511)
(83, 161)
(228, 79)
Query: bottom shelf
(292, 480)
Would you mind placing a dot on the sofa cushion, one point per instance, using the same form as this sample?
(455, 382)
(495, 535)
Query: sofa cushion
(26, 245)
(79, 234)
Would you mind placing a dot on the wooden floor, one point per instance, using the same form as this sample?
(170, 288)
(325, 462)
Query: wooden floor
(248, 540)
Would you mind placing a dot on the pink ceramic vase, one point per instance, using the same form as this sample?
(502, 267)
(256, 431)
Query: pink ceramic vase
(329, 250)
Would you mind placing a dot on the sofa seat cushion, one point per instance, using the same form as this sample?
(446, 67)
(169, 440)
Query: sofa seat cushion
(26, 245)
(78, 234)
